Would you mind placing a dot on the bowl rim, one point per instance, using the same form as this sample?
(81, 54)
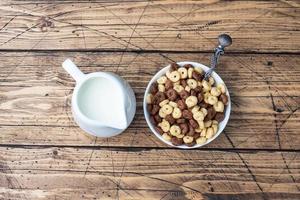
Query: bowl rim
(221, 126)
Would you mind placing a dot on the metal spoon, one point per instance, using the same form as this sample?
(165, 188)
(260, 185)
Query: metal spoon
(224, 41)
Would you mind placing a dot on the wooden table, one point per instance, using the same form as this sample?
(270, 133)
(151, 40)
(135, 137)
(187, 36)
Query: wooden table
(43, 153)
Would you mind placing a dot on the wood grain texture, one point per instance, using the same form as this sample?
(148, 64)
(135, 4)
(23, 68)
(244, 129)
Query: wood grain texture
(256, 26)
(95, 173)
(35, 96)
(43, 153)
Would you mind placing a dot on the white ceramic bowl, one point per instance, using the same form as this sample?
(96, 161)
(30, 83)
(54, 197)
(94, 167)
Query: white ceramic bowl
(217, 78)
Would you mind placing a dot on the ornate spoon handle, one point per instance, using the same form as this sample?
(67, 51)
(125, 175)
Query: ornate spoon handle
(224, 41)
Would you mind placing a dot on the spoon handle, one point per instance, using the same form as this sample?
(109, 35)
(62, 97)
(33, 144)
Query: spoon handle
(224, 41)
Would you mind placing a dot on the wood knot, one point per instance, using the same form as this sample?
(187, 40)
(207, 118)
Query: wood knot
(55, 152)
(45, 23)
(270, 63)
(179, 36)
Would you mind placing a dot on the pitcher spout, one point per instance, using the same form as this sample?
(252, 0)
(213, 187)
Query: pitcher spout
(120, 120)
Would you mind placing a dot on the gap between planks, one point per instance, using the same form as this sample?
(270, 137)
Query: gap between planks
(147, 51)
(140, 149)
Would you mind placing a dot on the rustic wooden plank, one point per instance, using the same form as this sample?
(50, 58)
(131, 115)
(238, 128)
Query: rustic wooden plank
(71, 173)
(261, 26)
(35, 98)
(253, 124)
(245, 75)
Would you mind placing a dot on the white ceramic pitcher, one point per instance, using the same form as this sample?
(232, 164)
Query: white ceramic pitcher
(103, 104)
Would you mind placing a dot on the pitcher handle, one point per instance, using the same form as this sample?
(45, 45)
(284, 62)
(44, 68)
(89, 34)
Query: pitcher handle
(73, 70)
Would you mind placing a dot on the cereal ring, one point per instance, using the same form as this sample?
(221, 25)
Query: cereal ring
(162, 80)
(195, 109)
(191, 144)
(159, 130)
(174, 76)
(187, 114)
(214, 91)
(149, 98)
(193, 92)
(221, 87)
(201, 140)
(168, 74)
(161, 113)
(164, 125)
(198, 130)
(176, 113)
(198, 116)
(166, 137)
(181, 121)
(219, 117)
(174, 66)
(187, 88)
(153, 89)
(167, 109)
(191, 131)
(215, 122)
(155, 109)
(164, 102)
(206, 94)
(190, 72)
(177, 141)
(204, 111)
(172, 94)
(210, 114)
(173, 104)
(178, 88)
(224, 98)
(188, 139)
(184, 128)
(206, 86)
(219, 106)
(157, 118)
(193, 123)
(199, 83)
(192, 83)
(183, 83)
(161, 88)
(168, 84)
(159, 97)
(196, 135)
(191, 101)
(176, 83)
(187, 66)
(183, 72)
(207, 123)
(203, 105)
(201, 124)
(209, 133)
(170, 119)
(203, 132)
(181, 104)
(175, 130)
(211, 80)
(180, 136)
(197, 76)
(205, 97)
(183, 94)
(215, 128)
(213, 100)
(200, 97)
(198, 89)
(198, 69)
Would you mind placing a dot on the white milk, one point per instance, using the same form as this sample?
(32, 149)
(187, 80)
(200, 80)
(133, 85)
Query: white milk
(101, 100)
